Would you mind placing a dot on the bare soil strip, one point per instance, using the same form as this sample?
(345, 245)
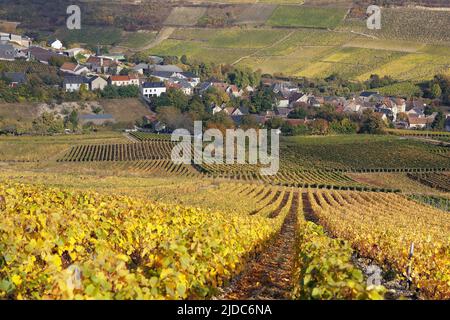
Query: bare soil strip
(307, 209)
(269, 275)
(283, 203)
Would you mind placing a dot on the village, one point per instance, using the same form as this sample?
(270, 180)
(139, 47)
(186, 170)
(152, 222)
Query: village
(85, 70)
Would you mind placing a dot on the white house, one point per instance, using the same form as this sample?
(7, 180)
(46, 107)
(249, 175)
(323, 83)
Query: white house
(74, 83)
(153, 89)
(55, 44)
(120, 81)
(187, 76)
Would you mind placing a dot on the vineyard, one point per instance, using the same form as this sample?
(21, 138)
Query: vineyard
(384, 227)
(145, 136)
(154, 150)
(153, 229)
(440, 181)
(82, 245)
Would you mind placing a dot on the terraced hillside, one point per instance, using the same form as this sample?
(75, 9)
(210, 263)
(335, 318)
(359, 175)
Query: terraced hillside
(317, 40)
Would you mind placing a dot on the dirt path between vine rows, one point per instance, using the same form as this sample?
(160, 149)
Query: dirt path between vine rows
(269, 276)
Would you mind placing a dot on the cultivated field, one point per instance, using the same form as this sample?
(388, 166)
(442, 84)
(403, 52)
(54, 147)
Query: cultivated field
(166, 231)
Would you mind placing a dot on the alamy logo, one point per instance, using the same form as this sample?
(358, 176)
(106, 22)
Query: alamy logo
(74, 20)
(211, 147)
(374, 20)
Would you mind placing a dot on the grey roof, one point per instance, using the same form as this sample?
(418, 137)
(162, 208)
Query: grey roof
(96, 116)
(189, 75)
(162, 74)
(75, 80)
(204, 86)
(41, 54)
(95, 78)
(7, 52)
(141, 66)
(153, 85)
(367, 94)
(165, 68)
(18, 77)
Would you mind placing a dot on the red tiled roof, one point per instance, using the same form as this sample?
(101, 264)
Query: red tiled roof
(123, 78)
(69, 66)
(97, 60)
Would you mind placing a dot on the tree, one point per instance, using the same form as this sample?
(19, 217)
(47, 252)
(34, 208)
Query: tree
(436, 91)
(72, 119)
(320, 127)
(439, 121)
(372, 123)
(249, 122)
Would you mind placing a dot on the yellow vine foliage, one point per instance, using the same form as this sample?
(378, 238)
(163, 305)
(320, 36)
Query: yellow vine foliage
(65, 244)
(383, 226)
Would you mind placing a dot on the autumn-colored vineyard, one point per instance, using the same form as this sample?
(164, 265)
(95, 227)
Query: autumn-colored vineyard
(66, 244)
(384, 227)
(439, 181)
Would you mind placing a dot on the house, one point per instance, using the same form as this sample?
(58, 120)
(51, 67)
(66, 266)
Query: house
(120, 81)
(141, 68)
(417, 122)
(96, 119)
(74, 83)
(282, 101)
(153, 89)
(234, 91)
(447, 123)
(297, 98)
(420, 122)
(229, 110)
(203, 87)
(314, 102)
(15, 38)
(416, 112)
(7, 52)
(283, 112)
(166, 75)
(181, 84)
(285, 88)
(73, 52)
(15, 78)
(164, 68)
(216, 109)
(55, 44)
(73, 68)
(100, 64)
(97, 83)
(352, 106)
(388, 113)
(40, 54)
(368, 95)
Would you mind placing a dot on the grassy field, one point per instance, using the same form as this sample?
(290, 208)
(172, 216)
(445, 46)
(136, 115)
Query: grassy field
(310, 17)
(137, 40)
(90, 35)
(125, 110)
(31, 148)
